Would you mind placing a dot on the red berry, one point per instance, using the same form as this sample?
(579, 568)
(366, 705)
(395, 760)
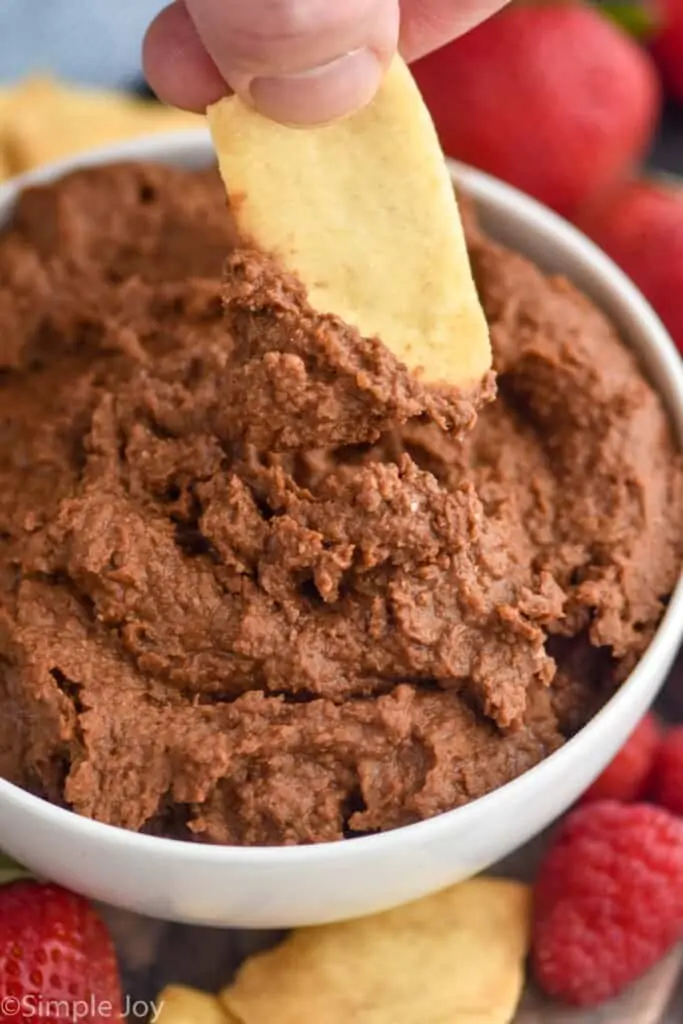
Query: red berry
(536, 95)
(640, 225)
(668, 46)
(608, 900)
(627, 776)
(54, 952)
(667, 777)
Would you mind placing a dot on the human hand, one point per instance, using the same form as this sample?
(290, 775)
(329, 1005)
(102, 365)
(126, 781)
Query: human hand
(297, 61)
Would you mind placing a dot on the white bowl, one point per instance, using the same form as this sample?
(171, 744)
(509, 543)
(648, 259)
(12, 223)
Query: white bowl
(282, 887)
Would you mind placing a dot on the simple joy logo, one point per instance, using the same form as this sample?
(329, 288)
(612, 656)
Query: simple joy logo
(73, 1011)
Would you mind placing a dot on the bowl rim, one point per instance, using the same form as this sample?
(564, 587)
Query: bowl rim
(192, 147)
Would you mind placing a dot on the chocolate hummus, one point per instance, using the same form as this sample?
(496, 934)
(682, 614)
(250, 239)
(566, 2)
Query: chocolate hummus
(259, 586)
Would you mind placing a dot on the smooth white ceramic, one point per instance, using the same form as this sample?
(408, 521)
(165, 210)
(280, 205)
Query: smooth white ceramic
(271, 888)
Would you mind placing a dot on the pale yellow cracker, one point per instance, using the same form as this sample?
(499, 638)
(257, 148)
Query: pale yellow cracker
(177, 1004)
(453, 958)
(5, 102)
(363, 212)
(43, 120)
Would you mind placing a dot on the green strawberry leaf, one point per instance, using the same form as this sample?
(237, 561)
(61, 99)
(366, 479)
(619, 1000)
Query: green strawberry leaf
(639, 20)
(10, 871)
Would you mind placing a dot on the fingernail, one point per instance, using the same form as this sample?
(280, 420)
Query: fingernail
(321, 94)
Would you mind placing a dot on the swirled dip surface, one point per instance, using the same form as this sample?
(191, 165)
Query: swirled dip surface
(257, 584)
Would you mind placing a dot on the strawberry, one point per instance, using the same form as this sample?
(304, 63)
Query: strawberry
(667, 46)
(666, 787)
(640, 225)
(551, 97)
(626, 777)
(55, 952)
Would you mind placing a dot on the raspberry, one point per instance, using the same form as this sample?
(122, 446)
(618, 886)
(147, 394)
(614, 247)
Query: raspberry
(626, 777)
(608, 901)
(667, 776)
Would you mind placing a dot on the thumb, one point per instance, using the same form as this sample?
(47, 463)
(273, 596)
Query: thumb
(299, 61)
